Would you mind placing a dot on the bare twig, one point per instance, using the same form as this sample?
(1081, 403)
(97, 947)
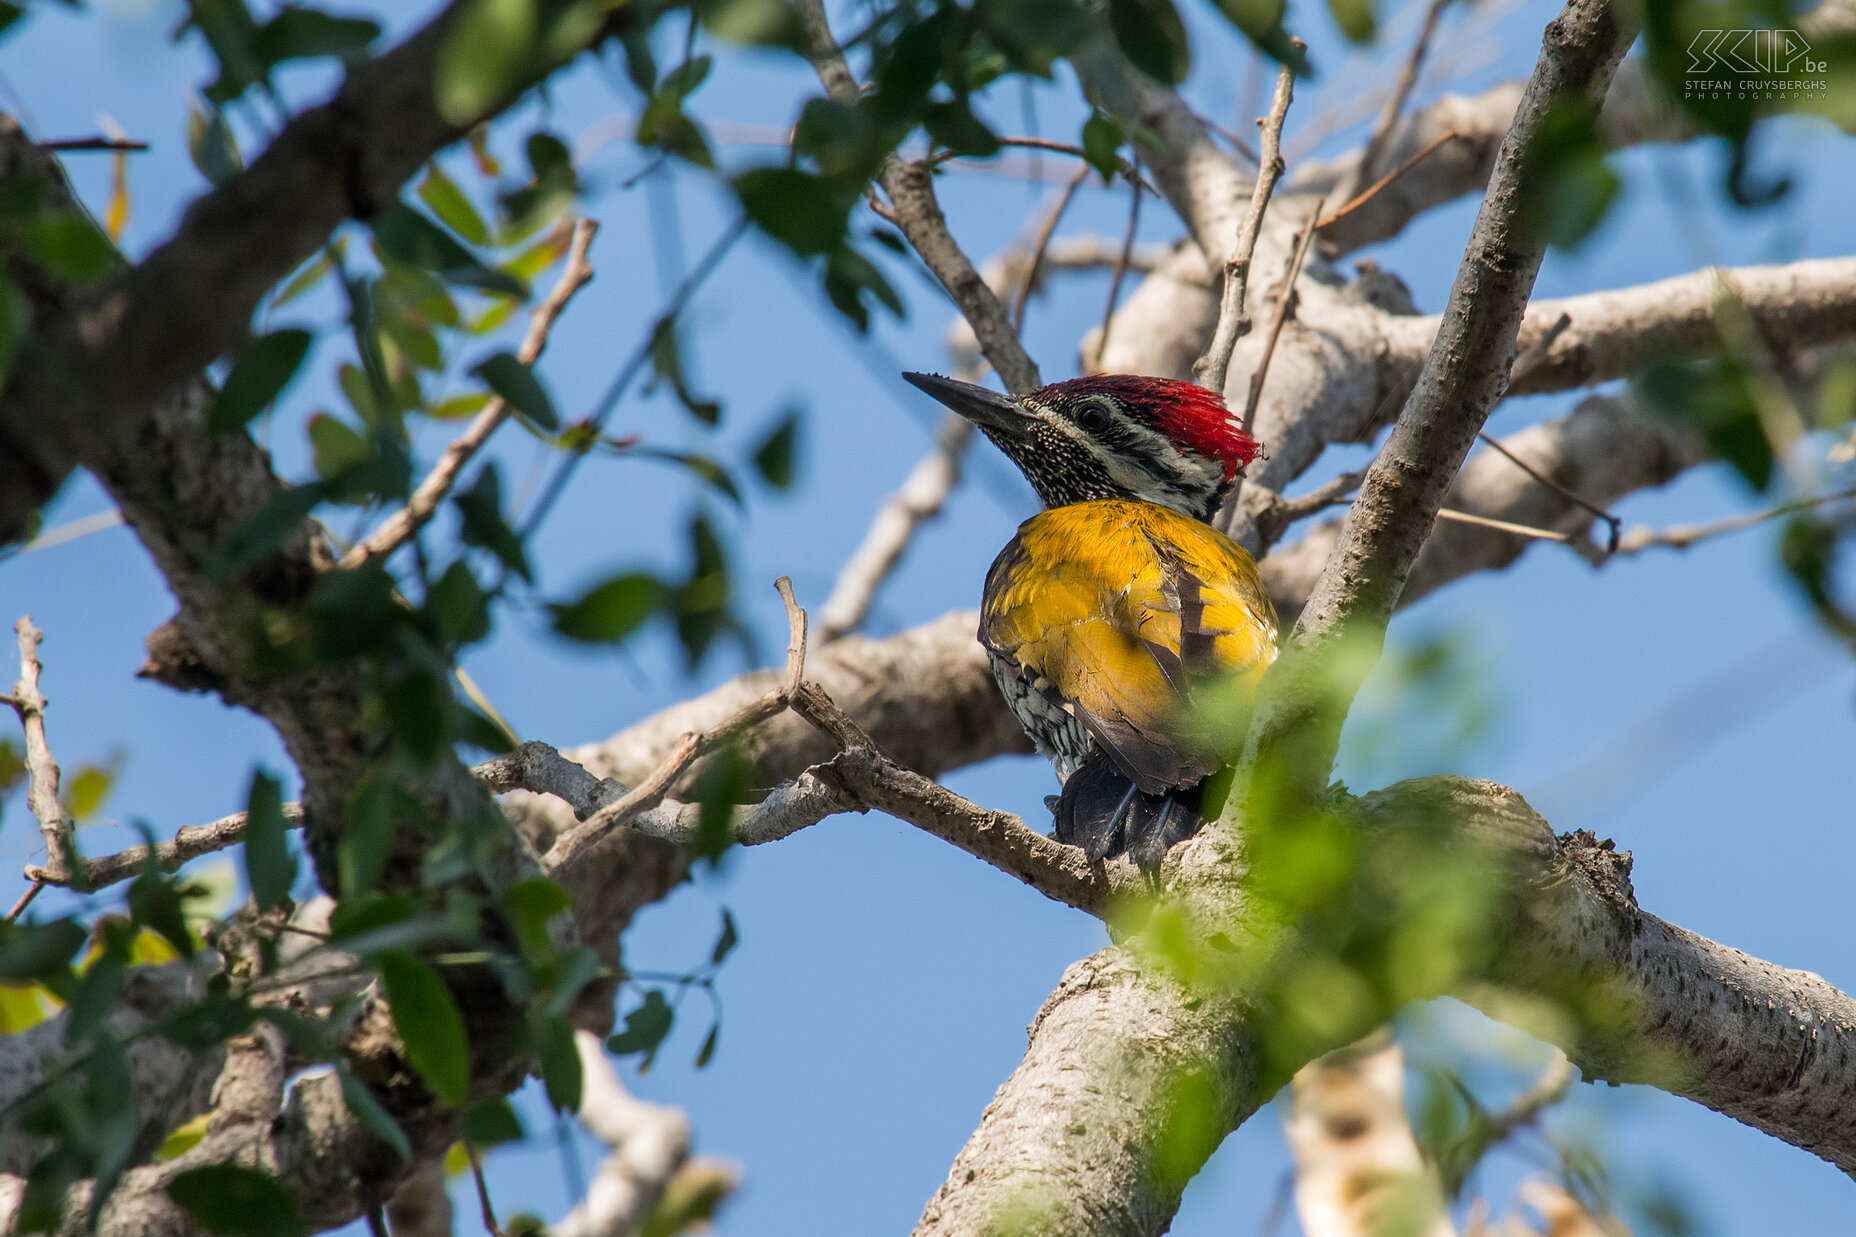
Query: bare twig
(25, 900)
(1545, 1091)
(1126, 167)
(919, 500)
(1682, 536)
(1285, 306)
(1045, 232)
(650, 792)
(399, 527)
(483, 1191)
(1370, 192)
(1121, 270)
(1503, 526)
(1233, 319)
(1611, 522)
(190, 842)
(1401, 93)
(872, 780)
(66, 145)
(910, 187)
(55, 824)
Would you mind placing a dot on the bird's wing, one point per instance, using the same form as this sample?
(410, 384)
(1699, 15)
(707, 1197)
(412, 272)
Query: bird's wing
(1112, 610)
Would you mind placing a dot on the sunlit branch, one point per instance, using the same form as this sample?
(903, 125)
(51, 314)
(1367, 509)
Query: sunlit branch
(1233, 315)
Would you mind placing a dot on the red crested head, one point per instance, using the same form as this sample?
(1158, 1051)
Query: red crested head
(1193, 418)
(1111, 436)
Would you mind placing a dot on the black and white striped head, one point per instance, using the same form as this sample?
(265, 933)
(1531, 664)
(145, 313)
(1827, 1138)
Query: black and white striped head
(1111, 436)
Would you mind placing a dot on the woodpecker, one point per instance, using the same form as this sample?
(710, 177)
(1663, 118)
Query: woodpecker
(1106, 607)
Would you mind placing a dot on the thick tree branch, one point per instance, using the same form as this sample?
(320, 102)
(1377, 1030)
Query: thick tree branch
(89, 382)
(1298, 718)
(1086, 1134)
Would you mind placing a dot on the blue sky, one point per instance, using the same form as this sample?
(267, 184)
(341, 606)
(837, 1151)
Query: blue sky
(884, 980)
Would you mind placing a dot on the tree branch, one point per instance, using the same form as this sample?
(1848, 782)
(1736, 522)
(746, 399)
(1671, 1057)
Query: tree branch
(1086, 1134)
(1466, 372)
(55, 824)
(910, 187)
(1233, 314)
(399, 527)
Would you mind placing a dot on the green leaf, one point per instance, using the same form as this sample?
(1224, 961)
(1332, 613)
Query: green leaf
(610, 610)
(156, 903)
(429, 1025)
(211, 146)
(267, 529)
(1151, 35)
(640, 63)
(531, 905)
(407, 236)
(726, 942)
(848, 277)
(207, 1022)
(667, 366)
(458, 606)
(761, 23)
(952, 124)
(370, 1112)
(1355, 19)
(87, 790)
(773, 458)
(15, 322)
(559, 1058)
(1712, 398)
(459, 406)
(1102, 140)
(517, 383)
(9, 13)
(487, 51)
(719, 788)
(265, 366)
(269, 865)
(798, 209)
(645, 1029)
(481, 507)
(91, 1000)
(71, 246)
(709, 1043)
(705, 468)
(447, 201)
(299, 33)
(1568, 185)
(303, 280)
(492, 1122)
(548, 155)
(235, 1201)
(337, 447)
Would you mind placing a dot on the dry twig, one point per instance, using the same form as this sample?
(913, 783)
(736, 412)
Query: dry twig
(1233, 320)
(1285, 306)
(1370, 192)
(1401, 93)
(1045, 232)
(1121, 271)
(1682, 536)
(399, 527)
(1503, 526)
(650, 792)
(55, 824)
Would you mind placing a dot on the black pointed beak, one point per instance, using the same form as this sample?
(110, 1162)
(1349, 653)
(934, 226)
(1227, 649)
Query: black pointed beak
(986, 409)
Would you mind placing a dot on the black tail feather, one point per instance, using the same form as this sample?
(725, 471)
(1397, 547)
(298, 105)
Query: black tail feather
(1104, 813)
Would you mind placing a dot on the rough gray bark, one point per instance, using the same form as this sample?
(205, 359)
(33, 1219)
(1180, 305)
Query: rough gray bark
(1084, 1137)
(1466, 372)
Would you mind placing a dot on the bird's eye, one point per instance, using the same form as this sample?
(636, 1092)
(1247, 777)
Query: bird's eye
(1092, 417)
